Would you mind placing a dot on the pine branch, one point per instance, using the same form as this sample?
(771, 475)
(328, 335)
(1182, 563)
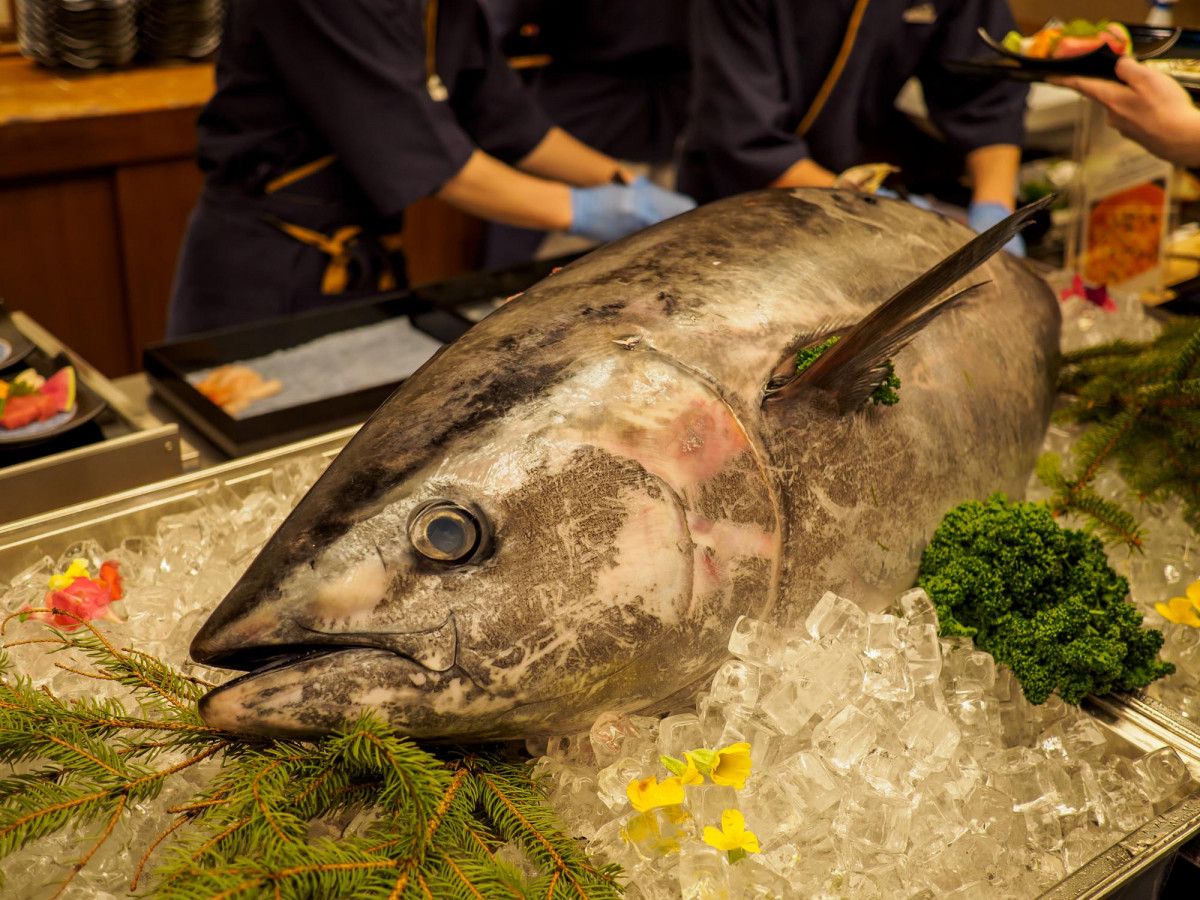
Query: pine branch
(1141, 403)
(434, 820)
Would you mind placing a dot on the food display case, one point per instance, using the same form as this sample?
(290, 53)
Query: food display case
(1136, 866)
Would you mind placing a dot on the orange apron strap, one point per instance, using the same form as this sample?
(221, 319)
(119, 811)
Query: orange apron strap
(299, 173)
(337, 247)
(835, 72)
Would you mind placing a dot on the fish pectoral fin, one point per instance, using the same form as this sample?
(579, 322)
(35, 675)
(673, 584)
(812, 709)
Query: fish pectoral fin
(854, 367)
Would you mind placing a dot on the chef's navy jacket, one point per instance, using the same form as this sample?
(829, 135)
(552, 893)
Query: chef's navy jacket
(758, 65)
(299, 80)
(618, 76)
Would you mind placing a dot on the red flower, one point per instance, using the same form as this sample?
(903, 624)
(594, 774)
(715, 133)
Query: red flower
(83, 598)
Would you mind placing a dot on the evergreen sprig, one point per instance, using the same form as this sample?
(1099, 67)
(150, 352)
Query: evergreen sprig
(1140, 405)
(361, 813)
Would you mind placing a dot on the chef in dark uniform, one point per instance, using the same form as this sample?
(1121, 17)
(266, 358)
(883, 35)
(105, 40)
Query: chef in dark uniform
(612, 73)
(793, 92)
(333, 116)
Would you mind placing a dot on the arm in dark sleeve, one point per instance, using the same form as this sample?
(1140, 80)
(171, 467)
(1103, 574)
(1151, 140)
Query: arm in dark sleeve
(739, 115)
(494, 107)
(357, 69)
(972, 112)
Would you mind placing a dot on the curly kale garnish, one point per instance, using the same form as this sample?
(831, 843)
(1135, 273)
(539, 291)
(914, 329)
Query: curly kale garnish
(884, 395)
(1041, 599)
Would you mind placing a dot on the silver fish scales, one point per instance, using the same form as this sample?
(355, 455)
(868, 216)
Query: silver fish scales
(566, 510)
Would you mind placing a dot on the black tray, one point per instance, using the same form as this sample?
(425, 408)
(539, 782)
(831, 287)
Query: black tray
(87, 406)
(431, 308)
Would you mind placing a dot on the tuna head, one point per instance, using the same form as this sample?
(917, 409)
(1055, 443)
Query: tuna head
(589, 549)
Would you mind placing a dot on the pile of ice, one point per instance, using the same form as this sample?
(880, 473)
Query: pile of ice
(174, 577)
(886, 763)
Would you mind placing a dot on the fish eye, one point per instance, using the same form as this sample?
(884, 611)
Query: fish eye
(445, 532)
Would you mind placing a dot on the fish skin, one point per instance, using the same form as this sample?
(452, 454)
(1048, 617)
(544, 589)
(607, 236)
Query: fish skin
(610, 427)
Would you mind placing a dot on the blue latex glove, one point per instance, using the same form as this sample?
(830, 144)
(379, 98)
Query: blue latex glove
(612, 211)
(982, 216)
(915, 199)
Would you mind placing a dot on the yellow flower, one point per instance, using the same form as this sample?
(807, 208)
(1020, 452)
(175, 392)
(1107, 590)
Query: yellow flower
(648, 793)
(731, 765)
(1183, 610)
(691, 775)
(77, 569)
(732, 836)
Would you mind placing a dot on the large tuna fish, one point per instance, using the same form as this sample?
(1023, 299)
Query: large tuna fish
(567, 510)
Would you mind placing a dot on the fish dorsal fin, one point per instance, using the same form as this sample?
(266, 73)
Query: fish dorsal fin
(855, 366)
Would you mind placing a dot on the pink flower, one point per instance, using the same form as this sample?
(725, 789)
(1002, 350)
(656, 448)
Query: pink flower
(76, 595)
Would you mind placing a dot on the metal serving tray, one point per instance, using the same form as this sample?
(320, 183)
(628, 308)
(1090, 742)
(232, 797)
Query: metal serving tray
(1135, 867)
(136, 448)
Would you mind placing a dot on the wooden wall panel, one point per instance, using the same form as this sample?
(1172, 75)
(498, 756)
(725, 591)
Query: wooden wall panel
(60, 262)
(153, 203)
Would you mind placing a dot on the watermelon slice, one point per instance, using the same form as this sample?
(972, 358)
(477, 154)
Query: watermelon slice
(61, 387)
(24, 409)
(29, 398)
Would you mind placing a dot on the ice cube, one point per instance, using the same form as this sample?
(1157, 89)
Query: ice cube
(790, 705)
(707, 801)
(923, 652)
(741, 726)
(883, 633)
(812, 783)
(917, 608)
(703, 872)
(1160, 772)
(1053, 743)
(843, 740)
(837, 617)
(931, 738)
(1043, 827)
(737, 683)
(679, 734)
(888, 772)
(980, 668)
(757, 642)
(886, 676)
(989, 811)
(877, 822)
(570, 747)
(613, 781)
(607, 734)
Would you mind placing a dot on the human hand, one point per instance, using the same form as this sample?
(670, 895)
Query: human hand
(1147, 106)
(982, 215)
(612, 211)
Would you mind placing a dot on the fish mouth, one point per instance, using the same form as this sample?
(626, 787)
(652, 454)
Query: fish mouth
(310, 693)
(434, 649)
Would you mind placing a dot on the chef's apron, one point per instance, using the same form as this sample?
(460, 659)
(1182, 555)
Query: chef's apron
(306, 240)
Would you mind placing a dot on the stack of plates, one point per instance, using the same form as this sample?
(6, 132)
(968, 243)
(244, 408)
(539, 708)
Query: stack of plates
(180, 29)
(80, 33)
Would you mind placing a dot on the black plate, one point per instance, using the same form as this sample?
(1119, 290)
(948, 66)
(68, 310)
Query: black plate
(87, 406)
(1148, 42)
(14, 346)
(1010, 70)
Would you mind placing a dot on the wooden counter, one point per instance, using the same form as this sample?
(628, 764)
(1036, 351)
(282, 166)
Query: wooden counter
(97, 177)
